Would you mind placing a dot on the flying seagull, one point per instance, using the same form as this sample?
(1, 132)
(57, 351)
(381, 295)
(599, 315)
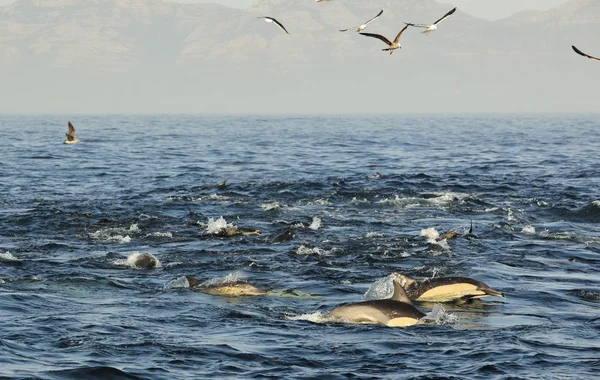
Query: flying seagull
(583, 54)
(432, 27)
(271, 19)
(391, 45)
(71, 135)
(361, 27)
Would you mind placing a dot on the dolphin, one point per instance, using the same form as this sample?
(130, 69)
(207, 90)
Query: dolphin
(230, 231)
(397, 311)
(143, 261)
(285, 236)
(445, 289)
(228, 289)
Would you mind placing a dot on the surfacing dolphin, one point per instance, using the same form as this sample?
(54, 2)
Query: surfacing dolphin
(444, 289)
(226, 289)
(397, 311)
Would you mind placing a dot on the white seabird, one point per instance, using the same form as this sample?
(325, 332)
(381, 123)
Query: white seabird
(71, 135)
(361, 27)
(271, 19)
(583, 54)
(431, 27)
(391, 45)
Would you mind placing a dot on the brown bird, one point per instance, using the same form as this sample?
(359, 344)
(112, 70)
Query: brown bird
(583, 54)
(71, 135)
(391, 45)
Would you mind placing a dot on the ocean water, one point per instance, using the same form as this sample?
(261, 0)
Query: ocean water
(72, 305)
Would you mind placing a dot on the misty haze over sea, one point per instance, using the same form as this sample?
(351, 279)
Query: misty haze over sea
(151, 56)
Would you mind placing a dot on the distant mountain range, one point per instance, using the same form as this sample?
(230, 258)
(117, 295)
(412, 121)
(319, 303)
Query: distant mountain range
(158, 56)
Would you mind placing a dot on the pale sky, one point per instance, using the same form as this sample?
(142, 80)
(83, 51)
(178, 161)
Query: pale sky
(489, 9)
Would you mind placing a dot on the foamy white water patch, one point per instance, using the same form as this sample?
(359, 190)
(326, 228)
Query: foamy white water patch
(118, 234)
(146, 217)
(356, 201)
(512, 215)
(230, 278)
(440, 316)
(448, 196)
(7, 256)
(528, 230)
(176, 283)
(315, 224)
(307, 251)
(443, 244)
(430, 233)
(270, 206)
(165, 235)
(373, 235)
(111, 235)
(215, 226)
(317, 317)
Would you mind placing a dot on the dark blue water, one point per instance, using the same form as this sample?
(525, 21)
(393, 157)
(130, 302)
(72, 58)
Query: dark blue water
(70, 216)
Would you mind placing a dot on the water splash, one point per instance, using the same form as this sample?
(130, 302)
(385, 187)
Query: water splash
(270, 206)
(528, 230)
(316, 223)
(215, 226)
(7, 256)
(440, 316)
(176, 283)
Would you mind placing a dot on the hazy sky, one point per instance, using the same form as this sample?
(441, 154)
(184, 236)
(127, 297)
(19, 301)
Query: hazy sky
(490, 9)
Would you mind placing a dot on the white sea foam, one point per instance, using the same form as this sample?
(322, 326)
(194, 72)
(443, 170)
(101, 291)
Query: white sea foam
(216, 226)
(146, 217)
(116, 234)
(315, 224)
(511, 217)
(528, 230)
(317, 317)
(157, 234)
(7, 256)
(230, 278)
(430, 233)
(270, 206)
(372, 235)
(179, 282)
(217, 197)
(440, 316)
(441, 243)
(307, 251)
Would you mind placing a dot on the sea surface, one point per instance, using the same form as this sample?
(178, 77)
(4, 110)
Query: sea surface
(72, 306)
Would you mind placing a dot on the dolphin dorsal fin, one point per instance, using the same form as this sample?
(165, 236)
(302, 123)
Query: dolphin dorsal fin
(192, 281)
(405, 281)
(400, 293)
